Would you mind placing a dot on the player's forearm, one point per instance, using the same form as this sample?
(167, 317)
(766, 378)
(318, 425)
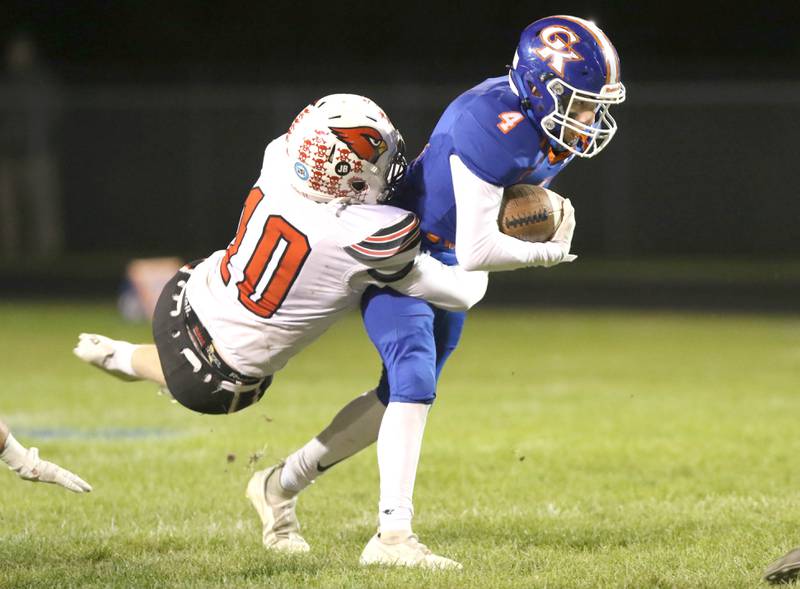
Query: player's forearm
(448, 287)
(12, 452)
(498, 252)
(26, 463)
(479, 243)
(3, 434)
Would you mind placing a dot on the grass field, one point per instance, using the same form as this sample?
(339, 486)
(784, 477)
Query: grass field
(567, 449)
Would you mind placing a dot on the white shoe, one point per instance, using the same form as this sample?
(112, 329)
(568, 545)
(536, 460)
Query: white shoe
(98, 350)
(275, 507)
(403, 549)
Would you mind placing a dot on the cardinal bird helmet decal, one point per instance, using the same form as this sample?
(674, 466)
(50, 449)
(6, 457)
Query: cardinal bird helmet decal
(344, 146)
(366, 142)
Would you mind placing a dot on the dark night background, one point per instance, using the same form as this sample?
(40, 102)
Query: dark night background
(265, 42)
(163, 111)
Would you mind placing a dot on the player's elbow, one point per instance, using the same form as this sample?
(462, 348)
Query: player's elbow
(455, 305)
(481, 284)
(470, 265)
(473, 291)
(468, 259)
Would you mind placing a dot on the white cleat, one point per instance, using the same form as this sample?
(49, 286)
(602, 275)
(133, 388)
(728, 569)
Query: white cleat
(98, 350)
(275, 507)
(403, 549)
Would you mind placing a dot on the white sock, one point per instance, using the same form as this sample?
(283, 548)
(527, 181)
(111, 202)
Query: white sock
(13, 453)
(122, 358)
(354, 428)
(399, 446)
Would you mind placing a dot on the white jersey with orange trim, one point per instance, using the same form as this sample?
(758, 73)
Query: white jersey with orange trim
(295, 266)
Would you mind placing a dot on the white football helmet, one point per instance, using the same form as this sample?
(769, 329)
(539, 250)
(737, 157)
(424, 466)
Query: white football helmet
(344, 146)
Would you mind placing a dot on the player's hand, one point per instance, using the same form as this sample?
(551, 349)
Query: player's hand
(563, 235)
(41, 471)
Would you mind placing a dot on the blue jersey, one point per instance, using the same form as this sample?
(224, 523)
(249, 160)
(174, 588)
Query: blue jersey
(486, 130)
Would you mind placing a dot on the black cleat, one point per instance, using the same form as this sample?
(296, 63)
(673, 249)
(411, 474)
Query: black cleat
(784, 570)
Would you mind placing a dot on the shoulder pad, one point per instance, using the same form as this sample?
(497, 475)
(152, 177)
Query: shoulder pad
(274, 166)
(389, 241)
(498, 149)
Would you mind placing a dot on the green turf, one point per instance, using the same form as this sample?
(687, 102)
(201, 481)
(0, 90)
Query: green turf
(567, 449)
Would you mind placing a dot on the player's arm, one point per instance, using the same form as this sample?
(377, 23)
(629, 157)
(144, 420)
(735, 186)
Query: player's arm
(448, 287)
(392, 256)
(479, 243)
(27, 464)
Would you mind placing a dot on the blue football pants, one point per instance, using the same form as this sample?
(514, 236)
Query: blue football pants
(414, 340)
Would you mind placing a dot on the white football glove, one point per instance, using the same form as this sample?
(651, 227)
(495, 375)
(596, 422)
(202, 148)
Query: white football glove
(563, 235)
(41, 471)
(28, 465)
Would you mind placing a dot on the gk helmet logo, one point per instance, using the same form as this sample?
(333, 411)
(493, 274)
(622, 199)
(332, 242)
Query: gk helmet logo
(366, 142)
(557, 51)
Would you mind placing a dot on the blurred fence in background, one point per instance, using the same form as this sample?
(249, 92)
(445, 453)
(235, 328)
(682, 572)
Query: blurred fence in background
(700, 174)
(695, 168)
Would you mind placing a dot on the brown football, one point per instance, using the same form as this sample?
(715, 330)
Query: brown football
(529, 212)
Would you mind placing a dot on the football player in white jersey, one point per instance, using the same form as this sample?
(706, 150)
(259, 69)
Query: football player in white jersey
(27, 464)
(303, 254)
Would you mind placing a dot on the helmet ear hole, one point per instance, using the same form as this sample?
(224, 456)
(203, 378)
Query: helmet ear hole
(358, 185)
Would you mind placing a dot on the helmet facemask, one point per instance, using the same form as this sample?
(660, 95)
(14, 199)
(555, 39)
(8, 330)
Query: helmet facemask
(564, 68)
(589, 139)
(395, 171)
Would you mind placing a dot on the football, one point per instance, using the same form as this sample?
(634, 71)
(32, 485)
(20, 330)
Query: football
(529, 212)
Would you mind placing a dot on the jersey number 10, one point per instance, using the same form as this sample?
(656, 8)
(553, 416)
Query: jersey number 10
(274, 263)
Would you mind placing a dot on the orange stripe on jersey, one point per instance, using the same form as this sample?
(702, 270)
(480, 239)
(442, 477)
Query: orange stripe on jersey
(387, 253)
(375, 254)
(388, 241)
(395, 235)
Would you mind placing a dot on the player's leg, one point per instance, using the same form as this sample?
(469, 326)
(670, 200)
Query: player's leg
(401, 546)
(353, 428)
(402, 329)
(129, 361)
(447, 329)
(121, 359)
(356, 425)
(145, 364)
(274, 491)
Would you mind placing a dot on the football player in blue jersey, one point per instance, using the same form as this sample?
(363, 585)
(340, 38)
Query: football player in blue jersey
(525, 127)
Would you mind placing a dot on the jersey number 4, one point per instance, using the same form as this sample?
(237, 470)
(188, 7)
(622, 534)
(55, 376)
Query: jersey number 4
(509, 120)
(274, 263)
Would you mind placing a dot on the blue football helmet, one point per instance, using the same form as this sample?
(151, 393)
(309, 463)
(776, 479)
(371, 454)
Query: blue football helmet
(565, 66)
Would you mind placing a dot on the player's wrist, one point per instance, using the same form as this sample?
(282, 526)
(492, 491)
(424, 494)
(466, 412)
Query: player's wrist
(556, 252)
(13, 453)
